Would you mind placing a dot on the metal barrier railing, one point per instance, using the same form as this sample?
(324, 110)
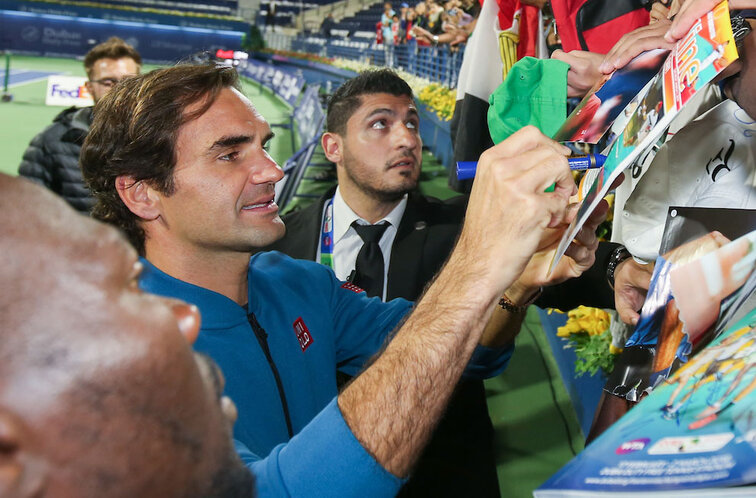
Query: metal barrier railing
(439, 64)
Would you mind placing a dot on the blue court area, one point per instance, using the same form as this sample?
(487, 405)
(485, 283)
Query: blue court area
(24, 76)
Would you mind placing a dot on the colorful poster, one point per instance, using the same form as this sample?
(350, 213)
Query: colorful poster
(698, 57)
(608, 97)
(692, 287)
(694, 435)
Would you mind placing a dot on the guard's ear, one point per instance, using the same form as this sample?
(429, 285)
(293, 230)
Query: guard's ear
(139, 197)
(332, 147)
(21, 474)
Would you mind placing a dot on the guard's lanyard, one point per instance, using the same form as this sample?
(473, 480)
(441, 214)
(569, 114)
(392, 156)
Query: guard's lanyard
(326, 236)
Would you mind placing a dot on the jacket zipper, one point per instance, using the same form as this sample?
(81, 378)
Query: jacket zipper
(262, 338)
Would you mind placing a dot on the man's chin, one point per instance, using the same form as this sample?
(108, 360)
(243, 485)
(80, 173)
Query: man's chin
(395, 194)
(270, 234)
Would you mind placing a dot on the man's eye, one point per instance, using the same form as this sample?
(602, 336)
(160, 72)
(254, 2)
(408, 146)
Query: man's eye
(229, 157)
(379, 125)
(411, 125)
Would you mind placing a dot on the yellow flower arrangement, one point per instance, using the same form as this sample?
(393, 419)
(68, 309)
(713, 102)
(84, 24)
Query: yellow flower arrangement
(439, 98)
(436, 96)
(587, 329)
(593, 321)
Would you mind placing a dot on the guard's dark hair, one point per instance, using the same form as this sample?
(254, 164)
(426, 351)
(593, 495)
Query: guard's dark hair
(347, 98)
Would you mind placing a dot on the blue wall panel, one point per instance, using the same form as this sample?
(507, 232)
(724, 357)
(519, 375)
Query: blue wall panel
(121, 15)
(61, 36)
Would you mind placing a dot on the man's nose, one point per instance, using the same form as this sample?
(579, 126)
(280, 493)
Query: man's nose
(266, 172)
(406, 137)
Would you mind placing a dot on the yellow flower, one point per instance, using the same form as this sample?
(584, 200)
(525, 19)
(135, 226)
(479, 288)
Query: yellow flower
(592, 321)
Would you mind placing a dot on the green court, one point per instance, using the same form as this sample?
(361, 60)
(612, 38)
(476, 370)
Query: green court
(536, 428)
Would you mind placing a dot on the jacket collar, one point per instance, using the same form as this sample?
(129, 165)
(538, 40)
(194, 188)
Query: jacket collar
(217, 311)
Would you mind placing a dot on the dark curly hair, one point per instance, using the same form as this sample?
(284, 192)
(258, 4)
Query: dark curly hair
(347, 98)
(134, 134)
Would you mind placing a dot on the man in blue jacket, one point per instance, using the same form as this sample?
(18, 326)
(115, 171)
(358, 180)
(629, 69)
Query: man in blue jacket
(179, 162)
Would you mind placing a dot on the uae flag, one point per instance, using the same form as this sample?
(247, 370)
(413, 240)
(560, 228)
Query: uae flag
(490, 53)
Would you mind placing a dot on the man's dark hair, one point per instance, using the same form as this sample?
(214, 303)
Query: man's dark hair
(134, 134)
(347, 98)
(112, 48)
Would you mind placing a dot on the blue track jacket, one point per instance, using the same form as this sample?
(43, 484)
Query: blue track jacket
(279, 357)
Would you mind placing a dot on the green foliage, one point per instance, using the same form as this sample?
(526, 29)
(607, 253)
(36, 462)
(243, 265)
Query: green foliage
(592, 353)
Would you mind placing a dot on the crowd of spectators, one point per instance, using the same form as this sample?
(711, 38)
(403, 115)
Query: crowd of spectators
(427, 21)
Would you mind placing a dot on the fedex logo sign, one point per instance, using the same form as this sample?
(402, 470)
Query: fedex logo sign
(67, 91)
(74, 93)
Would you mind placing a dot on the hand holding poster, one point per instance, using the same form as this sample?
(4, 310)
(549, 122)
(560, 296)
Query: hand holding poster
(705, 51)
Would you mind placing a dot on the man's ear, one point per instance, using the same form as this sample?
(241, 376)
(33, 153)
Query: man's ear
(20, 473)
(139, 197)
(88, 84)
(332, 147)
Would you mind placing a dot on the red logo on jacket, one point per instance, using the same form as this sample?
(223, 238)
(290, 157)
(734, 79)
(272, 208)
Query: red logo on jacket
(303, 334)
(350, 286)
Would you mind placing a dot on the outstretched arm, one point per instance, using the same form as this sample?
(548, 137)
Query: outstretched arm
(508, 213)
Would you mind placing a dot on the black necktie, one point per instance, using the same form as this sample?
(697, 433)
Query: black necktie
(368, 271)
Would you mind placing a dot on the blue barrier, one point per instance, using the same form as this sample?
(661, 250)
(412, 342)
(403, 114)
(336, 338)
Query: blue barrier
(436, 135)
(60, 36)
(309, 114)
(314, 72)
(434, 131)
(584, 391)
(286, 84)
(138, 16)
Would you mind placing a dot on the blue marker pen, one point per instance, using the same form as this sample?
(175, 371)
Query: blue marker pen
(466, 169)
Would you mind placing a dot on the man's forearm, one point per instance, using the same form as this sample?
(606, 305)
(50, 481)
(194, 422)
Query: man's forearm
(393, 406)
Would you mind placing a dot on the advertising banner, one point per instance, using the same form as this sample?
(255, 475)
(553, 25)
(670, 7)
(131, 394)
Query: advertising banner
(285, 84)
(68, 91)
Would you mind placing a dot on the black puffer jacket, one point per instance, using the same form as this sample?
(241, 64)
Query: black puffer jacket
(52, 157)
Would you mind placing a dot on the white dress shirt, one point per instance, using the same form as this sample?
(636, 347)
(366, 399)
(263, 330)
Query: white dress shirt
(347, 242)
(709, 163)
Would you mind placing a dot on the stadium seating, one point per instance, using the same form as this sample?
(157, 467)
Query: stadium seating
(217, 7)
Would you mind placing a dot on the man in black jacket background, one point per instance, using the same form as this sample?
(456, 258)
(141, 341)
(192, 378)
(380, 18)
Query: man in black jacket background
(52, 158)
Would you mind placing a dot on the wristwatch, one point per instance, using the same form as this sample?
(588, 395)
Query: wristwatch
(619, 255)
(740, 29)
